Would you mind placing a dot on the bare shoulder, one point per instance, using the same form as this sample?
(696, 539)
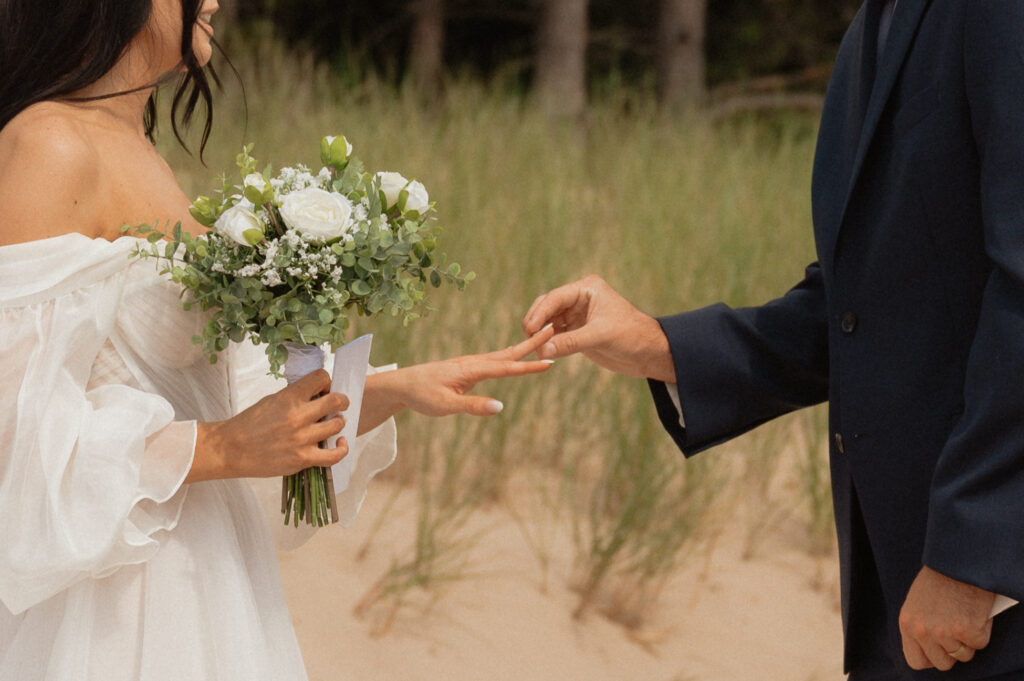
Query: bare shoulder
(48, 174)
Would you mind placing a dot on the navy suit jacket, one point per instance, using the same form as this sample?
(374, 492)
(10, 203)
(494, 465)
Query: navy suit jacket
(911, 322)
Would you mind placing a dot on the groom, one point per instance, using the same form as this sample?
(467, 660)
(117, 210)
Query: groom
(911, 325)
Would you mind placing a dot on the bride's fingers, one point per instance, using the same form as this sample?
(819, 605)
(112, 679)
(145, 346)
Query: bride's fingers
(325, 405)
(501, 368)
(508, 368)
(310, 385)
(322, 430)
(475, 405)
(526, 347)
(317, 456)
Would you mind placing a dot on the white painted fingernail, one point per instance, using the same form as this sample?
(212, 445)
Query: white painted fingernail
(494, 407)
(548, 361)
(549, 325)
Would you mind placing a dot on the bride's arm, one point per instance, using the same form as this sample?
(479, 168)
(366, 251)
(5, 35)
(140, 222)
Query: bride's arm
(279, 435)
(439, 388)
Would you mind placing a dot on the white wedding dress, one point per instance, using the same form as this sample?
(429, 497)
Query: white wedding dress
(112, 569)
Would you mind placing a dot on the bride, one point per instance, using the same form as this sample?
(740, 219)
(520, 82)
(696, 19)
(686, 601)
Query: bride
(131, 547)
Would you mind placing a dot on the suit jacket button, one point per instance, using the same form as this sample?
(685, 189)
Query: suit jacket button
(839, 443)
(848, 323)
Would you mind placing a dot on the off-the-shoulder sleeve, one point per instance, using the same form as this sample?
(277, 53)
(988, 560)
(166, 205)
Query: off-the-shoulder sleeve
(88, 476)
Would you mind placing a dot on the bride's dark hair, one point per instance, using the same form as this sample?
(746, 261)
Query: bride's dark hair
(50, 49)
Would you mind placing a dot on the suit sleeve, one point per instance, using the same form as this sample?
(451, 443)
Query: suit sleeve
(737, 368)
(976, 511)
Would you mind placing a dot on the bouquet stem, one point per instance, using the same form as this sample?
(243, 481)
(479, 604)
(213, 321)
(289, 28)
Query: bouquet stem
(308, 494)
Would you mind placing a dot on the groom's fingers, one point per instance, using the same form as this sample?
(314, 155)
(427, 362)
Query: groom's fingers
(553, 304)
(535, 319)
(915, 655)
(568, 343)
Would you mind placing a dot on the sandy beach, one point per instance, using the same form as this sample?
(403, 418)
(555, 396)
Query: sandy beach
(772, 616)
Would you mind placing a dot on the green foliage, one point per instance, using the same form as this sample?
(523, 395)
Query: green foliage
(275, 284)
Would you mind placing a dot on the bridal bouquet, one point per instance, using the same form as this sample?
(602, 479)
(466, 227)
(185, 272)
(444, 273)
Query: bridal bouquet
(291, 256)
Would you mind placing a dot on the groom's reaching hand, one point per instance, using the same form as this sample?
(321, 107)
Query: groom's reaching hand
(590, 317)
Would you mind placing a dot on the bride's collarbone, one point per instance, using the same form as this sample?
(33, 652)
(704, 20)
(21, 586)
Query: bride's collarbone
(138, 187)
(144, 191)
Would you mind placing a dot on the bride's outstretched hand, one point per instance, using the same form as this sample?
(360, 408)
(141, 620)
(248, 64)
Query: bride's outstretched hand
(440, 388)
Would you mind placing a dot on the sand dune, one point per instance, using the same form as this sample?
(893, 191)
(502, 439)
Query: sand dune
(772, 617)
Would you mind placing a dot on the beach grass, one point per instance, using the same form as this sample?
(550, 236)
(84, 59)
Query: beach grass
(675, 212)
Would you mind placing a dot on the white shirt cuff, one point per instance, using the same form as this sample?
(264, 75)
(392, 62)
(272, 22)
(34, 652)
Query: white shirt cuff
(673, 394)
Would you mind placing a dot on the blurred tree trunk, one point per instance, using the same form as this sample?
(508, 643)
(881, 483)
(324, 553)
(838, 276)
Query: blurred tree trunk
(561, 75)
(681, 58)
(228, 12)
(426, 49)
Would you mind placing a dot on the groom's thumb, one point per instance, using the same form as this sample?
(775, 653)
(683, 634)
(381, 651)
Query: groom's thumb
(563, 344)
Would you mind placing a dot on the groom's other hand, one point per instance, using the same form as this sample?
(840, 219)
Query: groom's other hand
(944, 621)
(590, 317)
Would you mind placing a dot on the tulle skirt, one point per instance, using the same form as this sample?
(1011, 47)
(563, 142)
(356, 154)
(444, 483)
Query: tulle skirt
(207, 607)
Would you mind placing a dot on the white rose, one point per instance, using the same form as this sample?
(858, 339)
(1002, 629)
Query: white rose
(317, 213)
(256, 181)
(241, 224)
(418, 199)
(392, 185)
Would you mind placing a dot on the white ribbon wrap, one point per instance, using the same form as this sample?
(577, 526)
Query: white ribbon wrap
(302, 360)
(349, 376)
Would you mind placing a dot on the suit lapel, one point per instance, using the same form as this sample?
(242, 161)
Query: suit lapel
(905, 23)
(865, 73)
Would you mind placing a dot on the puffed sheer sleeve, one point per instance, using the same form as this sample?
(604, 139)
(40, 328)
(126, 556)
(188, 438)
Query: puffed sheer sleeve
(89, 475)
